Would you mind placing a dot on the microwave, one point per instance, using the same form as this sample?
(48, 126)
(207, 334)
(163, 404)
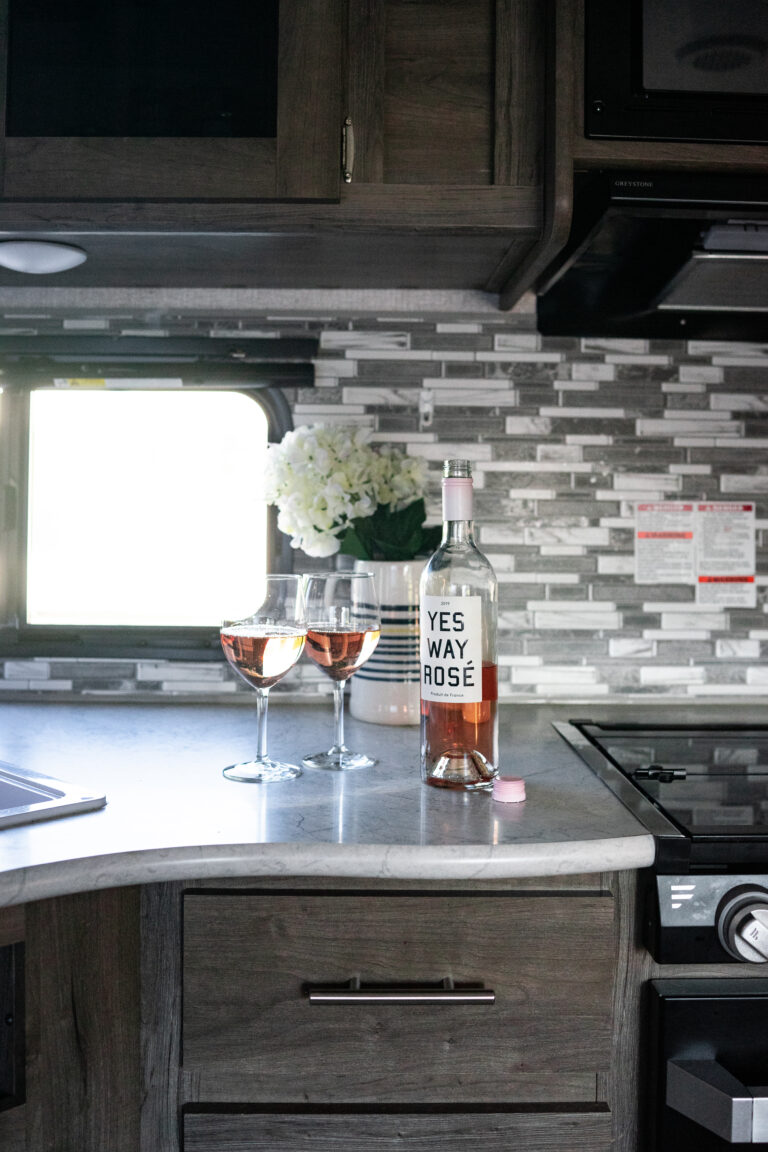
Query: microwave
(689, 70)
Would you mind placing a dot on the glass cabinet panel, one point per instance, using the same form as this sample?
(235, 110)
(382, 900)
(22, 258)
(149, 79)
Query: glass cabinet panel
(172, 99)
(149, 68)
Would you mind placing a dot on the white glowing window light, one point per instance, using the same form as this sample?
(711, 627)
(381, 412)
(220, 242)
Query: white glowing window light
(145, 508)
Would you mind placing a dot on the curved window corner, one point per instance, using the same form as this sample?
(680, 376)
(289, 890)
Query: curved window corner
(142, 521)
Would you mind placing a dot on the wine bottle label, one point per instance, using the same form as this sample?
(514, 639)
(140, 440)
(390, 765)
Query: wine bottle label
(451, 648)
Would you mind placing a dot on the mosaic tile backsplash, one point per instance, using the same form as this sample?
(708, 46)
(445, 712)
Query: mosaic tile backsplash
(566, 435)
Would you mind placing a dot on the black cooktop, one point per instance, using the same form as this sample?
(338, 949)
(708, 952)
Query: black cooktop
(709, 782)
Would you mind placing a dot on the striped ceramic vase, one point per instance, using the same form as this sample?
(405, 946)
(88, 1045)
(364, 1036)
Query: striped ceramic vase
(386, 689)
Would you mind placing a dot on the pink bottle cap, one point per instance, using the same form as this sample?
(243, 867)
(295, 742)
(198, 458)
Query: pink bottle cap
(509, 789)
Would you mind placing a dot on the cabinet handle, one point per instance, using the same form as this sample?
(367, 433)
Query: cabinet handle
(348, 150)
(444, 992)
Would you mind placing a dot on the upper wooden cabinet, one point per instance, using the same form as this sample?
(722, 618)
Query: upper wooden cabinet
(392, 93)
(411, 148)
(174, 100)
(445, 92)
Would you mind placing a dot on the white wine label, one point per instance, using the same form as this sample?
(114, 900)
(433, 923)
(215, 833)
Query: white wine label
(451, 649)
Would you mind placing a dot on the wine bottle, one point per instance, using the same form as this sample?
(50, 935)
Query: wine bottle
(457, 619)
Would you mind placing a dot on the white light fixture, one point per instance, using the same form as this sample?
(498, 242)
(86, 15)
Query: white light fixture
(39, 256)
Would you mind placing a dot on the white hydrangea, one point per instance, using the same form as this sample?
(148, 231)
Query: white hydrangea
(323, 476)
(398, 479)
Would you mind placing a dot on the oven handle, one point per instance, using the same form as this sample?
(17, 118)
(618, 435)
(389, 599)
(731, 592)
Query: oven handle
(707, 1093)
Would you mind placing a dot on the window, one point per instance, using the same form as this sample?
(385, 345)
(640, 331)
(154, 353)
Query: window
(144, 507)
(140, 516)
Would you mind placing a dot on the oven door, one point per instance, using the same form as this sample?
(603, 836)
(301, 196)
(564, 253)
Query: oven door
(709, 1071)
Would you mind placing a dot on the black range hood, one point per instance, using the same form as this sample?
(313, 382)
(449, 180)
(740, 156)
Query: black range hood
(668, 255)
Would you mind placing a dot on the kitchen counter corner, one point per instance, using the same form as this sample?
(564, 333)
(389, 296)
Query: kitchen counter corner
(171, 815)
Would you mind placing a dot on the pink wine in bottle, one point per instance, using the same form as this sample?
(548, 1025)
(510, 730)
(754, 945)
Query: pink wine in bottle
(457, 619)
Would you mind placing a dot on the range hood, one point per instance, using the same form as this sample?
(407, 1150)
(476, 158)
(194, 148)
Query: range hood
(670, 255)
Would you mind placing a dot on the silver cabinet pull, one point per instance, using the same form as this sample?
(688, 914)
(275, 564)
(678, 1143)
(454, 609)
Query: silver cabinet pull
(348, 150)
(707, 1093)
(444, 992)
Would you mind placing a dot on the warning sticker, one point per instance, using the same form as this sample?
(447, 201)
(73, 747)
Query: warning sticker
(665, 547)
(725, 572)
(709, 545)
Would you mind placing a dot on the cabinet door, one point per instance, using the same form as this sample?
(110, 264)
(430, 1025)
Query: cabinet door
(297, 157)
(12, 1039)
(446, 92)
(251, 1031)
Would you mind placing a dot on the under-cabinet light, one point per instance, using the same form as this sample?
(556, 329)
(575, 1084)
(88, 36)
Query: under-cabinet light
(39, 256)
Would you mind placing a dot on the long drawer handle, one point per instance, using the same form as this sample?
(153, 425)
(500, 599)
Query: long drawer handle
(445, 992)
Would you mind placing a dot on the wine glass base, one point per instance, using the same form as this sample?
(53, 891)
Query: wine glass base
(261, 772)
(338, 761)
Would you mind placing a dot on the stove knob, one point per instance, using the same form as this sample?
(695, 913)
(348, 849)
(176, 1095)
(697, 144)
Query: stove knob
(742, 923)
(754, 931)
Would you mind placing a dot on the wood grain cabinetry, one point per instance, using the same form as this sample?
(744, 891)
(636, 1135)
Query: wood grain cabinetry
(176, 1018)
(362, 1132)
(463, 124)
(446, 93)
(389, 1075)
(444, 108)
(299, 161)
(83, 997)
(12, 1043)
(432, 92)
(250, 1030)
(448, 108)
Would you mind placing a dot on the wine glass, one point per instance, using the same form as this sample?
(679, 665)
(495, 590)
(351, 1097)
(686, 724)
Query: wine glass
(261, 648)
(343, 627)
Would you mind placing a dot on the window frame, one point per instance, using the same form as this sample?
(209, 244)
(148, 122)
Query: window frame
(19, 639)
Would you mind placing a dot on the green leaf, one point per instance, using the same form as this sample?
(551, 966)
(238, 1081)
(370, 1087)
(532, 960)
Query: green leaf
(353, 542)
(409, 519)
(387, 535)
(430, 538)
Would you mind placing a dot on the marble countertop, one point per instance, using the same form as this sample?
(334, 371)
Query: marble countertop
(170, 814)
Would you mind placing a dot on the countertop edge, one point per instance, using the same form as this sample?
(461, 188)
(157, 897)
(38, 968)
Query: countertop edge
(375, 862)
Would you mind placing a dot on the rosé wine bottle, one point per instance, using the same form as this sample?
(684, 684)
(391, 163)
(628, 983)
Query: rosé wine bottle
(457, 618)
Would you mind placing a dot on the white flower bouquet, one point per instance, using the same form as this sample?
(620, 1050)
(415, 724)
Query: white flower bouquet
(336, 493)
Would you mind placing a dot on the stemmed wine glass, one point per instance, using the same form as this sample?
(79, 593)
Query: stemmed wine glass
(261, 648)
(343, 626)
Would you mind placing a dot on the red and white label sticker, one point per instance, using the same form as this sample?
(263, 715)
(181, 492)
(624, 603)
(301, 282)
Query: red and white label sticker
(725, 575)
(664, 543)
(710, 545)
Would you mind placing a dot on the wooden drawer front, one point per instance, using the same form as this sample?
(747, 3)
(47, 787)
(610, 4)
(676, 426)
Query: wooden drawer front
(456, 1132)
(250, 1032)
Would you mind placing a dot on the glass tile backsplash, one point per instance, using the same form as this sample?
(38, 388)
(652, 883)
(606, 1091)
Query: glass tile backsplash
(566, 435)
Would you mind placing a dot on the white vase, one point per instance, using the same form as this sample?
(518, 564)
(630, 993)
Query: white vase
(386, 689)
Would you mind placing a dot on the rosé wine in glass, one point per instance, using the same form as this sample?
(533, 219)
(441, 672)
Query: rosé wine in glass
(343, 628)
(261, 648)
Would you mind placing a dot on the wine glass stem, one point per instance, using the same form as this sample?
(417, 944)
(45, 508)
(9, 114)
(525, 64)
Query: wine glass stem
(338, 715)
(262, 702)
